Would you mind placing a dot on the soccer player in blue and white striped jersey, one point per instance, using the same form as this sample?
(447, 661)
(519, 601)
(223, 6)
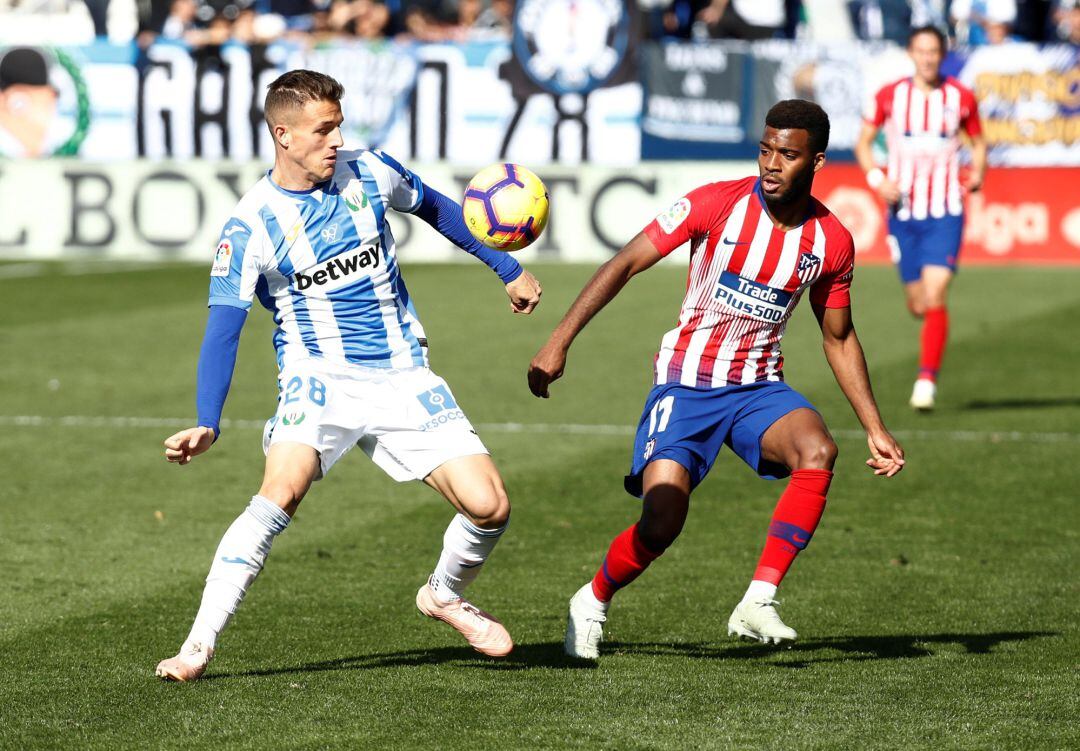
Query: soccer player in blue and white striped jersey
(312, 244)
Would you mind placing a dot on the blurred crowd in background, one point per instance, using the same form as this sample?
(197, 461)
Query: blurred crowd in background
(208, 22)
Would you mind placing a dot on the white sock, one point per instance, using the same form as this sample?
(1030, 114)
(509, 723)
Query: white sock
(465, 548)
(239, 558)
(760, 590)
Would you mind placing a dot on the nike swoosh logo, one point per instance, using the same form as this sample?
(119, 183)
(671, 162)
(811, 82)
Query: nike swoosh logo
(232, 230)
(798, 540)
(736, 242)
(233, 560)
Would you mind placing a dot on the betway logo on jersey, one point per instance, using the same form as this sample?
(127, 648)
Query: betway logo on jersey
(750, 298)
(340, 271)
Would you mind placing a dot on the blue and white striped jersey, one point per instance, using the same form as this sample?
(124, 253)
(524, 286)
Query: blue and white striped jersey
(323, 262)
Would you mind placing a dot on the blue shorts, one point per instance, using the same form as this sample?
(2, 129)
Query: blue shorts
(924, 242)
(690, 426)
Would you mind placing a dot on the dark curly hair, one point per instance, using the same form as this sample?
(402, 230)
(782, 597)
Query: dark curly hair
(804, 115)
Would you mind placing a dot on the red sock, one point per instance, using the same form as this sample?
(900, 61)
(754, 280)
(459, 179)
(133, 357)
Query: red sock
(935, 331)
(793, 522)
(626, 559)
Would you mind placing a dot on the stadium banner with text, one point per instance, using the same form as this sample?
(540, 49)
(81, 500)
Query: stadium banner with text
(698, 96)
(1029, 102)
(170, 210)
(1022, 215)
(463, 103)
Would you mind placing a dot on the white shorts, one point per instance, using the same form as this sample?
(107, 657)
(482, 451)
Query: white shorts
(406, 420)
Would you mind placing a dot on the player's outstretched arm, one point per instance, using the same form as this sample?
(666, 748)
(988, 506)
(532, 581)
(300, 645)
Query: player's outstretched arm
(845, 356)
(549, 363)
(444, 214)
(217, 358)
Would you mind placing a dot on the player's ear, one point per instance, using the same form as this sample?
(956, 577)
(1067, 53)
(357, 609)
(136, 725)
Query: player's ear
(819, 160)
(281, 135)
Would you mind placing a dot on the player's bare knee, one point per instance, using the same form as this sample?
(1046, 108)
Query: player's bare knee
(662, 520)
(659, 534)
(916, 307)
(489, 509)
(819, 452)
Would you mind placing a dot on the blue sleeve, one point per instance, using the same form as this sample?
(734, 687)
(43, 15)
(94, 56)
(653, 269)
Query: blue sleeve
(444, 215)
(216, 362)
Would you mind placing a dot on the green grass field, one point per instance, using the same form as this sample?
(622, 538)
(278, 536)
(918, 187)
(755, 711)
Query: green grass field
(936, 610)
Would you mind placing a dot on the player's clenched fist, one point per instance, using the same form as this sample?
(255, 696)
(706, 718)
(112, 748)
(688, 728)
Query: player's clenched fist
(546, 367)
(184, 446)
(524, 293)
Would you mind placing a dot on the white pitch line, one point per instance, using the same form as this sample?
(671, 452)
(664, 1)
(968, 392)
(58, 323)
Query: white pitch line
(109, 421)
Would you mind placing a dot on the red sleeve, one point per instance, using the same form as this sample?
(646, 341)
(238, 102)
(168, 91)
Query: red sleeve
(690, 217)
(833, 288)
(879, 107)
(969, 114)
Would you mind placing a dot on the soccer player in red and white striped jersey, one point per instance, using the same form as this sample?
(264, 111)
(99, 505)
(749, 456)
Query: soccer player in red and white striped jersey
(757, 246)
(924, 118)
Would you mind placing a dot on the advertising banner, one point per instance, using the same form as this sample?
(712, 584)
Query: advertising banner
(1028, 215)
(465, 103)
(695, 99)
(700, 95)
(171, 210)
(1029, 102)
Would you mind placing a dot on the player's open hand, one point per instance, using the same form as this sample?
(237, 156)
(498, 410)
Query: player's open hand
(182, 447)
(886, 456)
(546, 367)
(524, 293)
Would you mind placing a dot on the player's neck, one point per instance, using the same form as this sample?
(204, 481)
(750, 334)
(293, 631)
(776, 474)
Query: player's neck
(291, 177)
(788, 216)
(925, 85)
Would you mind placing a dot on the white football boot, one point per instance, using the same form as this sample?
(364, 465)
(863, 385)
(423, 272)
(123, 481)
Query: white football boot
(758, 619)
(188, 665)
(585, 624)
(922, 395)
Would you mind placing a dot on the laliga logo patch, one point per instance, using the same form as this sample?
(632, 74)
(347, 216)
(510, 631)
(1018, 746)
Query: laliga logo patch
(673, 217)
(222, 259)
(436, 400)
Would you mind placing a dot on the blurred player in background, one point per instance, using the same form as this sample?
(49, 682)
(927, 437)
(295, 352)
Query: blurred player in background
(757, 245)
(312, 243)
(923, 117)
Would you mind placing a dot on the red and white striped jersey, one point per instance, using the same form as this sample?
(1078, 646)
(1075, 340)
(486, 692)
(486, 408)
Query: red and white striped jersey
(922, 134)
(746, 277)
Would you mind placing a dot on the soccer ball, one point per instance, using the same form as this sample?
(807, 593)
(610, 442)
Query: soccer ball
(505, 206)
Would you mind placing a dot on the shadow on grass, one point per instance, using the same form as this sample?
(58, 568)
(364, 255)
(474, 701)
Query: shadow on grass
(1026, 403)
(523, 657)
(805, 653)
(821, 651)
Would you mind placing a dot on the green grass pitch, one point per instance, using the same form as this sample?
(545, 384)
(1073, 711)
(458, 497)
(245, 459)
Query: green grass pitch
(936, 610)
